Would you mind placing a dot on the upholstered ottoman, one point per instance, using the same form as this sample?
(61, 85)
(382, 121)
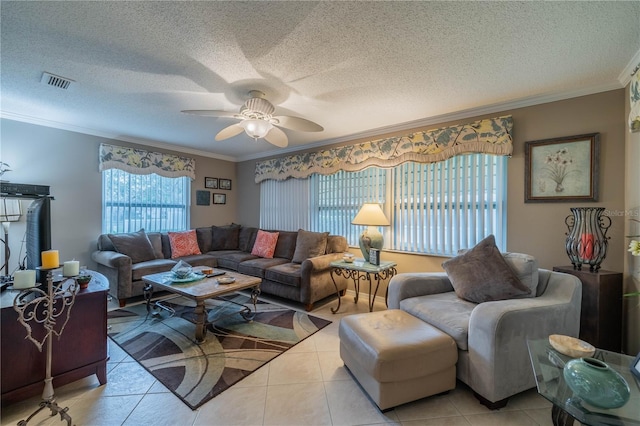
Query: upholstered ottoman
(396, 357)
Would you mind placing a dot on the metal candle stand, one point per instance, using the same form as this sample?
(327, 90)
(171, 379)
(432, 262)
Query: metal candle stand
(42, 309)
(587, 237)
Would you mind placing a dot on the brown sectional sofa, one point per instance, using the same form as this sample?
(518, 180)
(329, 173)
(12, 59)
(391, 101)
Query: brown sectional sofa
(298, 271)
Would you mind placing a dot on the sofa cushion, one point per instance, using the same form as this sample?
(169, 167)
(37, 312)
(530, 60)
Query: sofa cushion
(257, 267)
(230, 259)
(288, 274)
(136, 245)
(482, 275)
(336, 244)
(525, 267)
(155, 266)
(265, 244)
(286, 244)
(445, 311)
(183, 243)
(309, 244)
(204, 236)
(225, 237)
(156, 243)
(246, 238)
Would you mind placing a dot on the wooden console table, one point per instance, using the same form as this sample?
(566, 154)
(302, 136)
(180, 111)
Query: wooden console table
(601, 314)
(81, 350)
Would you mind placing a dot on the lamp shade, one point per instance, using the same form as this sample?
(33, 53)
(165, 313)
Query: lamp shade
(370, 214)
(256, 128)
(10, 210)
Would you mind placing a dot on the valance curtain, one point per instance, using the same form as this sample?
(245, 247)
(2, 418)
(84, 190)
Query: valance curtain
(490, 136)
(143, 162)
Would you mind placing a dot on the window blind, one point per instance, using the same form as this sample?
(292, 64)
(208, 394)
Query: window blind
(132, 201)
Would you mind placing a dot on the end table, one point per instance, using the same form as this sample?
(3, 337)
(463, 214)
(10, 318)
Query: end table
(359, 269)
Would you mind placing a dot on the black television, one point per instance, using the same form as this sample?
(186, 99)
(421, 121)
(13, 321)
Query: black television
(38, 234)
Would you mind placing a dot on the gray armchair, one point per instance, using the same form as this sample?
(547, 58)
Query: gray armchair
(493, 358)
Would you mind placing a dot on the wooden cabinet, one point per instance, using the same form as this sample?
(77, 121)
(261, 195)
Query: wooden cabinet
(81, 350)
(601, 315)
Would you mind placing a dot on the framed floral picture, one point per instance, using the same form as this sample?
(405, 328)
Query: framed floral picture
(562, 169)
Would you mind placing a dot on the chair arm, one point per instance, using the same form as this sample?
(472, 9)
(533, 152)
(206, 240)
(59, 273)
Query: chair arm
(406, 285)
(498, 334)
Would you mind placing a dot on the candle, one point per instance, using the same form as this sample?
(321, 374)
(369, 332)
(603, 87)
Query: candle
(50, 259)
(24, 279)
(586, 246)
(71, 268)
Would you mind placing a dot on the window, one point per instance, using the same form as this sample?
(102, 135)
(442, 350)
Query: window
(436, 208)
(131, 202)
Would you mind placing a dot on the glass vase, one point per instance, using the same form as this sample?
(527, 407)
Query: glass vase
(596, 383)
(587, 237)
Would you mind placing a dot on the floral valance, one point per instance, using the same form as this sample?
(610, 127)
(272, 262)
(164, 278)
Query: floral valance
(144, 162)
(492, 136)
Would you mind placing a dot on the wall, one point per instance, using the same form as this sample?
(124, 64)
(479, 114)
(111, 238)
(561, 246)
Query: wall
(535, 228)
(632, 263)
(68, 162)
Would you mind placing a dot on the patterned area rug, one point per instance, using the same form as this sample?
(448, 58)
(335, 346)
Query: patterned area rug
(234, 348)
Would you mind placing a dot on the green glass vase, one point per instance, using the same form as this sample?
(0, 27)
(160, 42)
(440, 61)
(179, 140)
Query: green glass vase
(596, 383)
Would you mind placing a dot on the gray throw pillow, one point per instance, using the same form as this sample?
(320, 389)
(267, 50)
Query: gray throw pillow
(482, 275)
(225, 237)
(309, 244)
(136, 245)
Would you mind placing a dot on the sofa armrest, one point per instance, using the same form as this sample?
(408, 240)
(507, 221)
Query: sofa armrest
(498, 334)
(112, 259)
(406, 285)
(116, 267)
(319, 263)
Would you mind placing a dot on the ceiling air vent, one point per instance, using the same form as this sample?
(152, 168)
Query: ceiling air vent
(56, 80)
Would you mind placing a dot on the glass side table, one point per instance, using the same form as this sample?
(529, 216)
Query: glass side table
(547, 366)
(361, 270)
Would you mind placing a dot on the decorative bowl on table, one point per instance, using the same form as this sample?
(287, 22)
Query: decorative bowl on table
(182, 270)
(570, 346)
(348, 257)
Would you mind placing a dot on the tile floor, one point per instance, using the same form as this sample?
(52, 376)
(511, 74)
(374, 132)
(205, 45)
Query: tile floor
(308, 385)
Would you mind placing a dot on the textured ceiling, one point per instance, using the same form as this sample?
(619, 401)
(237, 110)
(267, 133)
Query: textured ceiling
(356, 68)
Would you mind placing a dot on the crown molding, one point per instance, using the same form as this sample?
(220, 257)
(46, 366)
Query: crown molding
(625, 76)
(112, 136)
(500, 107)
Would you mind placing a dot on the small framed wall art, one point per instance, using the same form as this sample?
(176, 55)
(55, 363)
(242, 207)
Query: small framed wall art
(211, 183)
(562, 169)
(225, 184)
(203, 198)
(219, 198)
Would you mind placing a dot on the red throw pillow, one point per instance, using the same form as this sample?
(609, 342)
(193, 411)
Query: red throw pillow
(265, 244)
(183, 243)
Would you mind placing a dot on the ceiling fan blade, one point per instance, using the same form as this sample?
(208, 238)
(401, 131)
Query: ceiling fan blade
(229, 132)
(297, 123)
(277, 137)
(209, 113)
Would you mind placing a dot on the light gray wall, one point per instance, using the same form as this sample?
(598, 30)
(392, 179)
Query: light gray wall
(68, 163)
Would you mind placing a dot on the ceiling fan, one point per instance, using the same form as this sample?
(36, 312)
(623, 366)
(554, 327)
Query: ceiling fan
(258, 121)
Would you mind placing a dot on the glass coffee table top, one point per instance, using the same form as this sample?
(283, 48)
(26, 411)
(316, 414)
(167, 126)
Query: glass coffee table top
(548, 365)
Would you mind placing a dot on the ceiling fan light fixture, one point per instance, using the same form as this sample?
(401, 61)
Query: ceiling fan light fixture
(255, 128)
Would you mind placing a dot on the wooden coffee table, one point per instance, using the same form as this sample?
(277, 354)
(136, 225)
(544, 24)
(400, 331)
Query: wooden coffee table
(201, 290)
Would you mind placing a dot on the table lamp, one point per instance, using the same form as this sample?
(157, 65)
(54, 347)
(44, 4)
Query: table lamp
(370, 215)
(10, 211)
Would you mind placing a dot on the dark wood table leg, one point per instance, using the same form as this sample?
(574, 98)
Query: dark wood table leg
(201, 324)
